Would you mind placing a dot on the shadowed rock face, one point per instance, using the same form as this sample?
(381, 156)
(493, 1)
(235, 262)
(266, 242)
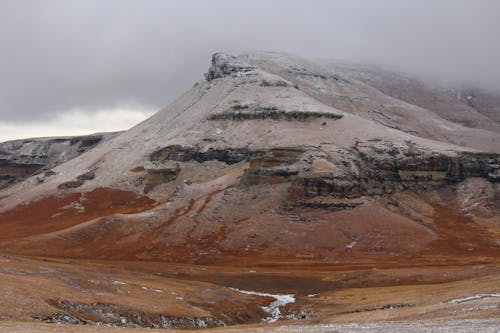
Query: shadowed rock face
(273, 114)
(186, 154)
(20, 159)
(366, 169)
(272, 166)
(79, 181)
(12, 172)
(155, 177)
(380, 175)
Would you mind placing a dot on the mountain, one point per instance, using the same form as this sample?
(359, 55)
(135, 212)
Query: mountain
(274, 163)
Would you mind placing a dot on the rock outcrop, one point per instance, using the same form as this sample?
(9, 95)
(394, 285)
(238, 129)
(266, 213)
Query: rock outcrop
(274, 114)
(155, 177)
(20, 159)
(185, 154)
(79, 181)
(367, 168)
(227, 65)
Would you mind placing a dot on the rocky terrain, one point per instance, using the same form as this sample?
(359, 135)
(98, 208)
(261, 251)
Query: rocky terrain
(20, 159)
(276, 193)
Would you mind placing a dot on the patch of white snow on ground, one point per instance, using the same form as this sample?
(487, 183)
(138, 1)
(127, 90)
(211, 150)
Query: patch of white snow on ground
(273, 307)
(472, 298)
(351, 245)
(119, 283)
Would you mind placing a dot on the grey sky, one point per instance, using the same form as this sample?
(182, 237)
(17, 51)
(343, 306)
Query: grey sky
(61, 57)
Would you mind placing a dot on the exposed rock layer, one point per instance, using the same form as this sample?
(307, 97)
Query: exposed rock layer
(20, 159)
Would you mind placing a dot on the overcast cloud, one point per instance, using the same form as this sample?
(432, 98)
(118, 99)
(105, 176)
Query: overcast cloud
(70, 64)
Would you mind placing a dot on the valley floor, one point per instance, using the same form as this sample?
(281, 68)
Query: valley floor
(48, 295)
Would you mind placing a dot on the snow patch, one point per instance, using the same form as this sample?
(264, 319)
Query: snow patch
(351, 245)
(472, 298)
(273, 308)
(118, 283)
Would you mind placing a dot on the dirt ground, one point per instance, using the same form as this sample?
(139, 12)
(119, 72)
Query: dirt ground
(37, 291)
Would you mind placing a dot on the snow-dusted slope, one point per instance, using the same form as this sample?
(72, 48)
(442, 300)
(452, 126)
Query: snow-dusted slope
(359, 92)
(467, 106)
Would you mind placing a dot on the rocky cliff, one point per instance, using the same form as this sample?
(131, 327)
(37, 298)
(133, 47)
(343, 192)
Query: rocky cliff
(20, 159)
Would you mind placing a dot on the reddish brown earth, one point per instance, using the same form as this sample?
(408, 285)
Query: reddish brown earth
(437, 252)
(107, 224)
(59, 212)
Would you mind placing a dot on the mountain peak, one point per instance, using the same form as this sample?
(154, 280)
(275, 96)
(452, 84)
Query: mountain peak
(224, 64)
